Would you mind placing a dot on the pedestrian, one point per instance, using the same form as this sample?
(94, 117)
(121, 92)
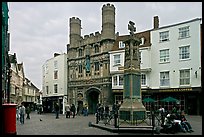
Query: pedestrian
(18, 113)
(162, 114)
(78, 110)
(98, 112)
(22, 113)
(101, 112)
(174, 110)
(107, 111)
(57, 110)
(85, 110)
(67, 109)
(185, 123)
(73, 110)
(40, 109)
(28, 110)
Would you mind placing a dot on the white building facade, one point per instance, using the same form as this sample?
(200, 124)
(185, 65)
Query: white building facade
(170, 65)
(117, 56)
(55, 83)
(176, 64)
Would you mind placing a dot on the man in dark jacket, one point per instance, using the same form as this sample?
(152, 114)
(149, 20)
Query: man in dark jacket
(73, 110)
(28, 110)
(57, 110)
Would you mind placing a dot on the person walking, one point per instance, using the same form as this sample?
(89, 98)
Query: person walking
(67, 109)
(85, 110)
(28, 110)
(57, 110)
(73, 110)
(18, 113)
(22, 113)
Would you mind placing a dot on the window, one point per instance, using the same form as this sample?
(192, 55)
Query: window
(184, 52)
(55, 88)
(119, 98)
(121, 44)
(164, 55)
(96, 48)
(164, 36)
(116, 59)
(80, 68)
(143, 79)
(164, 78)
(80, 53)
(96, 66)
(55, 74)
(120, 80)
(115, 82)
(185, 77)
(55, 64)
(47, 89)
(184, 32)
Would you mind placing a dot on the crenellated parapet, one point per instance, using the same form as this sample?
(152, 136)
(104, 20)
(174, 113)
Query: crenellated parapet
(91, 38)
(108, 6)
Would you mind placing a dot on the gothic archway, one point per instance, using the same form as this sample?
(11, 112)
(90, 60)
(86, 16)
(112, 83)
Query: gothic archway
(92, 96)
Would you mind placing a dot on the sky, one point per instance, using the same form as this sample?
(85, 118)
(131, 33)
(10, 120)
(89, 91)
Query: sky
(40, 29)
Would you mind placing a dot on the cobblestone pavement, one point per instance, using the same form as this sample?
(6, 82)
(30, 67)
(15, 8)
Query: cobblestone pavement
(62, 126)
(80, 126)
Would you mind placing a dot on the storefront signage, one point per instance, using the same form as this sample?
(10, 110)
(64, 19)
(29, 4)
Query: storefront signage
(175, 90)
(117, 90)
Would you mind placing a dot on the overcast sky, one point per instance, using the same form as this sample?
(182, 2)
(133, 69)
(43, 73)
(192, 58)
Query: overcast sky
(39, 29)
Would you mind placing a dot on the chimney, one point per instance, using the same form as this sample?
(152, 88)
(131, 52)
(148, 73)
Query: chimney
(156, 22)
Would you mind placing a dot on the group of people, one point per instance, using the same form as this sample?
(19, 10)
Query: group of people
(105, 111)
(70, 110)
(175, 121)
(21, 111)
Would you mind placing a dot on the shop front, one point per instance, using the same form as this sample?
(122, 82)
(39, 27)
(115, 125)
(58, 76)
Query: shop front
(189, 99)
(49, 103)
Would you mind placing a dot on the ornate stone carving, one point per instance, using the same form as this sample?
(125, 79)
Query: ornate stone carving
(132, 28)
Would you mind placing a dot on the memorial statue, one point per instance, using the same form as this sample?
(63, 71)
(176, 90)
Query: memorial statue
(132, 28)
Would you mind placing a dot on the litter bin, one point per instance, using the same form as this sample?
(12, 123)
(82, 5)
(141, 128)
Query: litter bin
(9, 119)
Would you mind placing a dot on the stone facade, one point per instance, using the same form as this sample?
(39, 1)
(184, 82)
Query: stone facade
(89, 80)
(22, 90)
(16, 81)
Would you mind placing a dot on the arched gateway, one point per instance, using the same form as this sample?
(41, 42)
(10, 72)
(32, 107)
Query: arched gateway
(92, 97)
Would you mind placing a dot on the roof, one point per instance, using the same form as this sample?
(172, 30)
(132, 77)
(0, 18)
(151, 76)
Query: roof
(145, 34)
(189, 21)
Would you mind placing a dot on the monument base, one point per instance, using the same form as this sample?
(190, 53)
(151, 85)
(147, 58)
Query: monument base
(132, 110)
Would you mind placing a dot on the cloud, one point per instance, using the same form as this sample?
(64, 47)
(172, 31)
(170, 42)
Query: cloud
(39, 29)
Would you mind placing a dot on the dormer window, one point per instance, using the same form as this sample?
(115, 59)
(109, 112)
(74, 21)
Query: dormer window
(121, 44)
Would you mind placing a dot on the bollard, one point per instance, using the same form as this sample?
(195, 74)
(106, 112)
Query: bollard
(115, 120)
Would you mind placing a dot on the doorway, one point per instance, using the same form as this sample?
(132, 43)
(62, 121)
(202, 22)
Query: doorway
(92, 98)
